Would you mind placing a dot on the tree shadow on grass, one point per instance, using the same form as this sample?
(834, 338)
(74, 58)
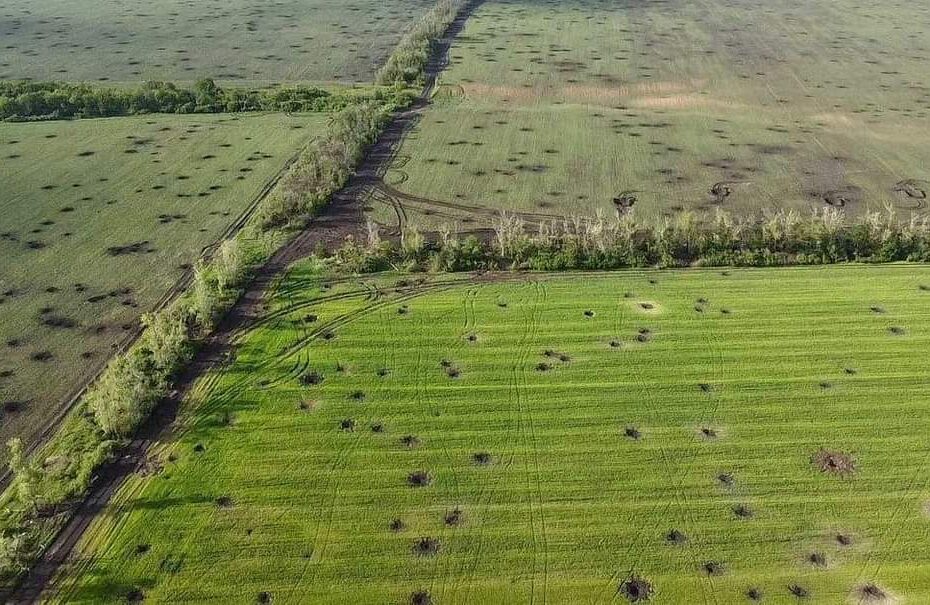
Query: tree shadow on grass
(161, 504)
(103, 588)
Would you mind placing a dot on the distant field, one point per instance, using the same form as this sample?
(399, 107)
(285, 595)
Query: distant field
(695, 436)
(99, 219)
(558, 107)
(133, 40)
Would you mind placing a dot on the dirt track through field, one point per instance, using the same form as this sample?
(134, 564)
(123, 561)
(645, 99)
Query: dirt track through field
(343, 218)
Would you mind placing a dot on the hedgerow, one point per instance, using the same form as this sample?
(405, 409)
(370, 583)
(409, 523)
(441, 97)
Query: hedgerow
(23, 100)
(781, 237)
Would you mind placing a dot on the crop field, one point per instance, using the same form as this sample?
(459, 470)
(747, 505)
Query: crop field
(553, 108)
(100, 219)
(695, 436)
(129, 41)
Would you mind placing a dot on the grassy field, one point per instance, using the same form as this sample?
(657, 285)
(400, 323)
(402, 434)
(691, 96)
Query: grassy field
(128, 41)
(558, 107)
(100, 218)
(545, 438)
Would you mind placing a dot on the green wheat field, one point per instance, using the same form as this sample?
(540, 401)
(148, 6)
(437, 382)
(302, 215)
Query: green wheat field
(698, 436)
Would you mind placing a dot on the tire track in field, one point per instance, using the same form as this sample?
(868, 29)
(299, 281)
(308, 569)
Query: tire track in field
(915, 485)
(321, 539)
(641, 537)
(83, 561)
(613, 572)
(419, 399)
(528, 440)
(456, 576)
(483, 500)
(708, 418)
(327, 513)
(399, 201)
(319, 331)
(231, 391)
(679, 501)
(516, 405)
(449, 533)
(542, 296)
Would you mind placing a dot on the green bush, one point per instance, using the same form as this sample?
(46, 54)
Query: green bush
(127, 391)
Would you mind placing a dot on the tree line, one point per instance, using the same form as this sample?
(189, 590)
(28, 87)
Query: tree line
(23, 100)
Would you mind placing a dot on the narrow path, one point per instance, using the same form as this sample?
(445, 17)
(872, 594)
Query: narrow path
(343, 217)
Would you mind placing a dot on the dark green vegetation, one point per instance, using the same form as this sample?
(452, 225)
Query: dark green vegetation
(554, 108)
(56, 100)
(134, 40)
(694, 435)
(100, 219)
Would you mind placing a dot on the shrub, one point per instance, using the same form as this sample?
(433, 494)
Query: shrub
(15, 554)
(127, 391)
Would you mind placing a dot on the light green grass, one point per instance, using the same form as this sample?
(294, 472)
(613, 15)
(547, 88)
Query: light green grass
(188, 179)
(667, 99)
(795, 360)
(129, 41)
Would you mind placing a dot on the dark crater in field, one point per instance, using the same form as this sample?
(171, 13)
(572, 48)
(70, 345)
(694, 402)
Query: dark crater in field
(913, 188)
(872, 593)
(419, 479)
(842, 197)
(834, 462)
(636, 589)
(426, 547)
(397, 525)
(133, 248)
(454, 517)
(421, 597)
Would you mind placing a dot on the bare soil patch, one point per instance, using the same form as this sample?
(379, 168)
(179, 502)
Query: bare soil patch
(636, 589)
(834, 462)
